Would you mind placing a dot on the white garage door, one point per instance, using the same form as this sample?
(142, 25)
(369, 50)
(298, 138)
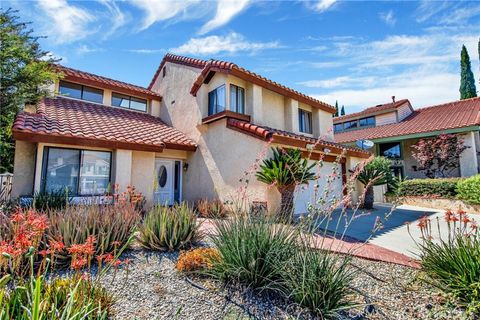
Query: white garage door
(320, 193)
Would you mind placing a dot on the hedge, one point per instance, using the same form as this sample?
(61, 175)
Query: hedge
(469, 190)
(442, 188)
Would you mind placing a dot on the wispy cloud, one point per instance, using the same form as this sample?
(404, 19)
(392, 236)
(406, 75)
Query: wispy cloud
(146, 51)
(162, 10)
(447, 12)
(85, 49)
(66, 23)
(343, 81)
(388, 18)
(323, 5)
(116, 17)
(226, 11)
(231, 43)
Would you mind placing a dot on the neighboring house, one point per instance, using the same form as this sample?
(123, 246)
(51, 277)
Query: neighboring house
(196, 132)
(394, 127)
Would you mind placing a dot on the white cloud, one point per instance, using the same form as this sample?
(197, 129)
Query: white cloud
(117, 17)
(66, 23)
(162, 10)
(146, 51)
(422, 88)
(230, 43)
(342, 81)
(226, 11)
(323, 5)
(84, 49)
(388, 18)
(460, 15)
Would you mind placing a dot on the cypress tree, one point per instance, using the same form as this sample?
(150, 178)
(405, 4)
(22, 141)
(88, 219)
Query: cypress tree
(467, 82)
(342, 112)
(336, 108)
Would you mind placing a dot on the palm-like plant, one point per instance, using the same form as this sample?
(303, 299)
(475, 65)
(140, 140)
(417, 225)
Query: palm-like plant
(374, 173)
(286, 169)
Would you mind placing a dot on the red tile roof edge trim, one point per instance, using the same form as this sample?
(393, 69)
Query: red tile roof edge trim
(88, 78)
(230, 67)
(373, 110)
(270, 135)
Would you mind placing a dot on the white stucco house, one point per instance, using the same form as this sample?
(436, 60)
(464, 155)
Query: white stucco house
(192, 134)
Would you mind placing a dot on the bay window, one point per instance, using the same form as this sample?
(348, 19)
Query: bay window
(81, 172)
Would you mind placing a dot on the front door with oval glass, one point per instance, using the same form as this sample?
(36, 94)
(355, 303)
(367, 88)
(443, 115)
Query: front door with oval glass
(164, 191)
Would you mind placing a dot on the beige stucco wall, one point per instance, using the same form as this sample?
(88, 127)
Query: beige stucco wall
(142, 176)
(273, 110)
(386, 118)
(23, 168)
(468, 158)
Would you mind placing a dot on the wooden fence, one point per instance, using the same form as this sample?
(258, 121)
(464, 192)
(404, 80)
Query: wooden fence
(6, 180)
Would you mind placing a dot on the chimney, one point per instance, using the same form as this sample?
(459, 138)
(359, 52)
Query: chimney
(393, 99)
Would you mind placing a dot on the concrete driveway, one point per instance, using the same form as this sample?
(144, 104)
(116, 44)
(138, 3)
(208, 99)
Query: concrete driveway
(394, 234)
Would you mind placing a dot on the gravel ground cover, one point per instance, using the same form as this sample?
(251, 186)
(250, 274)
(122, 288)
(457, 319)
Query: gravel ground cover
(155, 290)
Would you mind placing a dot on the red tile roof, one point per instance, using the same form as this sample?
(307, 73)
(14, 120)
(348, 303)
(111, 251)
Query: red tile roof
(381, 108)
(290, 138)
(103, 82)
(232, 68)
(452, 115)
(64, 120)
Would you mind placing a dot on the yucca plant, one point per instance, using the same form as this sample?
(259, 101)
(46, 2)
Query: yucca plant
(169, 229)
(252, 251)
(111, 225)
(374, 173)
(285, 170)
(452, 262)
(319, 281)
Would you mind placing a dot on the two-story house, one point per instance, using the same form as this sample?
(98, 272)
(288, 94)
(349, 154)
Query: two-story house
(196, 132)
(395, 127)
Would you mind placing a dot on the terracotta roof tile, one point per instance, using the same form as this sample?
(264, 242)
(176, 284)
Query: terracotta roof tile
(229, 67)
(371, 110)
(452, 115)
(103, 82)
(80, 122)
(286, 137)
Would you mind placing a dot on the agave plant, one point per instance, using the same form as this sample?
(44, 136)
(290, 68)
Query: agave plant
(286, 169)
(374, 173)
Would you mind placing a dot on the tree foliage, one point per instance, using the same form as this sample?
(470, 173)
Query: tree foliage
(374, 173)
(336, 108)
(285, 170)
(467, 81)
(25, 72)
(438, 156)
(342, 112)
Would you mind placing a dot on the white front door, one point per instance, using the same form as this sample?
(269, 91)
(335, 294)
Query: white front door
(163, 193)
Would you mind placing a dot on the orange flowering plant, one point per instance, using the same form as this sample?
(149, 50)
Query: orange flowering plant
(196, 259)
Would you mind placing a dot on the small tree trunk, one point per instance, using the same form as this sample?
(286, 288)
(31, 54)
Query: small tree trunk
(286, 206)
(368, 199)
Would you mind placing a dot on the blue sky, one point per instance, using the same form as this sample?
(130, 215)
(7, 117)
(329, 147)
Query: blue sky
(359, 53)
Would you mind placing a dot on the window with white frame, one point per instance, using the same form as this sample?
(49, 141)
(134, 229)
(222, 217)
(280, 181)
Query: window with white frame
(304, 121)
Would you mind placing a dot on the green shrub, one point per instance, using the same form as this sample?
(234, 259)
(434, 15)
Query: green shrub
(169, 229)
(111, 225)
(443, 188)
(54, 200)
(469, 189)
(319, 281)
(452, 262)
(252, 251)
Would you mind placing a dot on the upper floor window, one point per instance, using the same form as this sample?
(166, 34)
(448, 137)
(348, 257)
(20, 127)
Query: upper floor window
(338, 127)
(78, 91)
(121, 100)
(350, 125)
(370, 121)
(391, 150)
(216, 100)
(237, 99)
(304, 121)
